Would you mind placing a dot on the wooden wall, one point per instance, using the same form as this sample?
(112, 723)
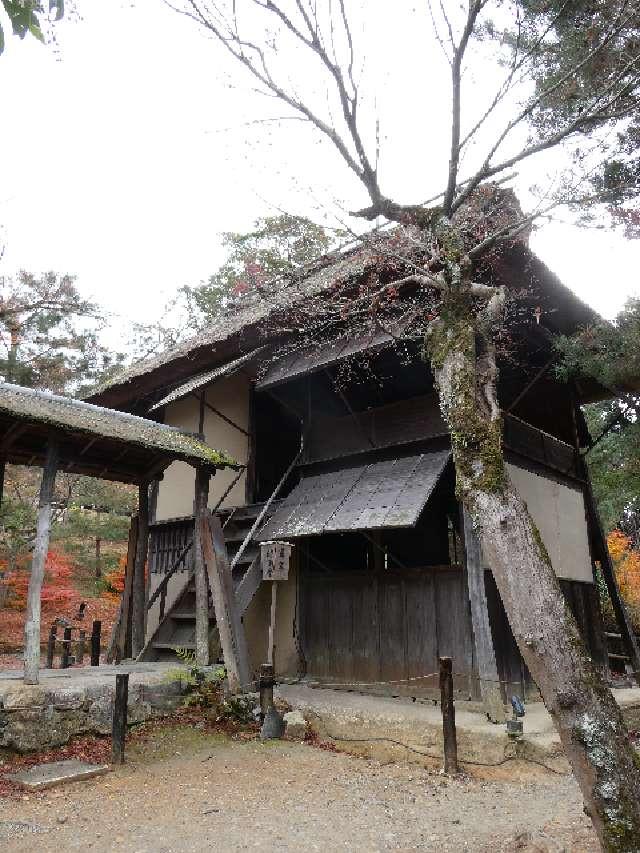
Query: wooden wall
(366, 627)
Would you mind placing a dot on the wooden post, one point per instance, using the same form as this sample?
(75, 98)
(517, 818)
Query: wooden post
(118, 642)
(266, 689)
(272, 623)
(98, 572)
(51, 645)
(448, 716)
(96, 628)
(119, 724)
(490, 691)
(41, 547)
(139, 603)
(81, 647)
(66, 648)
(230, 627)
(200, 574)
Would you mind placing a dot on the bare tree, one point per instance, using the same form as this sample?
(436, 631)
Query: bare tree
(584, 60)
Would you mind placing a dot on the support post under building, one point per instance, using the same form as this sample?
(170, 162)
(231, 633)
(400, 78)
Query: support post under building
(41, 547)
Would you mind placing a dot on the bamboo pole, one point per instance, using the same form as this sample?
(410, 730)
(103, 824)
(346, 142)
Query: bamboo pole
(41, 547)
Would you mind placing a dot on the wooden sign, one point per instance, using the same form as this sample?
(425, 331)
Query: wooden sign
(274, 557)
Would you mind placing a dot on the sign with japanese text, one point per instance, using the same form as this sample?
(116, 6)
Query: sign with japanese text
(275, 558)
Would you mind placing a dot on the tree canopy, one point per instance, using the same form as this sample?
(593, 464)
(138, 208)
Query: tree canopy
(277, 246)
(49, 334)
(25, 17)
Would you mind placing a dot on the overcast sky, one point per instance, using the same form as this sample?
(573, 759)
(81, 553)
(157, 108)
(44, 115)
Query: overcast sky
(124, 155)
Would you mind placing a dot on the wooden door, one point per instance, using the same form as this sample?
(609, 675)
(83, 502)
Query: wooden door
(385, 630)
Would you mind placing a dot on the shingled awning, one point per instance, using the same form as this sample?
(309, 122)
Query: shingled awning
(369, 496)
(93, 440)
(311, 359)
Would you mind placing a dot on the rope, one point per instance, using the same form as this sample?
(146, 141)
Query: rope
(400, 681)
(439, 756)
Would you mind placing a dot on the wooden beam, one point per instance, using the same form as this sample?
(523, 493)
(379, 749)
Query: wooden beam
(220, 414)
(482, 637)
(202, 591)
(250, 481)
(138, 598)
(116, 650)
(230, 627)
(41, 547)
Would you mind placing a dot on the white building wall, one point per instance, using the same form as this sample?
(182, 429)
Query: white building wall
(230, 396)
(560, 514)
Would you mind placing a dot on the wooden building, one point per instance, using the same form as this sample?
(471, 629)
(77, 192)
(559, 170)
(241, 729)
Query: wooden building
(346, 455)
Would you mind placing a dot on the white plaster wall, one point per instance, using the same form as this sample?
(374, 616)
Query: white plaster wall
(230, 396)
(256, 625)
(560, 515)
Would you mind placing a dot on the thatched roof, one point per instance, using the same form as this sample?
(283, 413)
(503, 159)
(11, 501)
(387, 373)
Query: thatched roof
(96, 441)
(250, 325)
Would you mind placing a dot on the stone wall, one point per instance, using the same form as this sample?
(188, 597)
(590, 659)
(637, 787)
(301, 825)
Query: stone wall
(40, 717)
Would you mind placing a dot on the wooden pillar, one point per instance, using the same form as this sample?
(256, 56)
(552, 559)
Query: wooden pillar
(482, 637)
(230, 627)
(41, 547)
(3, 471)
(448, 710)
(96, 631)
(250, 471)
(118, 642)
(119, 722)
(139, 593)
(200, 574)
(3, 588)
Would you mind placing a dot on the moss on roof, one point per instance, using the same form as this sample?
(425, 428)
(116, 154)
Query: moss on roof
(28, 405)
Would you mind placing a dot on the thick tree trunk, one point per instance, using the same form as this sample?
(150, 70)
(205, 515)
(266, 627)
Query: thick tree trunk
(584, 711)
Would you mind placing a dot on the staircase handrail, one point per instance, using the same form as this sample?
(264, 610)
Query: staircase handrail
(265, 508)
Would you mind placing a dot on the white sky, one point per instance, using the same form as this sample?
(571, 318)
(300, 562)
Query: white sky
(123, 156)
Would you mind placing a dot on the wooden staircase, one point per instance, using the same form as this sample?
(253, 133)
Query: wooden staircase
(177, 627)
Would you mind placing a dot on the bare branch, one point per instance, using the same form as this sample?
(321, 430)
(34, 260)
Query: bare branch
(458, 55)
(516, 66)
(584, 119)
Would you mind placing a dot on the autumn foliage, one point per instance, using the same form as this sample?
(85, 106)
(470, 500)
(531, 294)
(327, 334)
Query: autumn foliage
(626, 560)
(60, 598)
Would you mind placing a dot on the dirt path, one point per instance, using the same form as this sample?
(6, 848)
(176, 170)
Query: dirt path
(185, 791)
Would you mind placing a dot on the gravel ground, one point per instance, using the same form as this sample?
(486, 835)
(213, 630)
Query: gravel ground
(187, 791)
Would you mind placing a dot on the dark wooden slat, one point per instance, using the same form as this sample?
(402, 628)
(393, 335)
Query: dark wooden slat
(422, 642)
